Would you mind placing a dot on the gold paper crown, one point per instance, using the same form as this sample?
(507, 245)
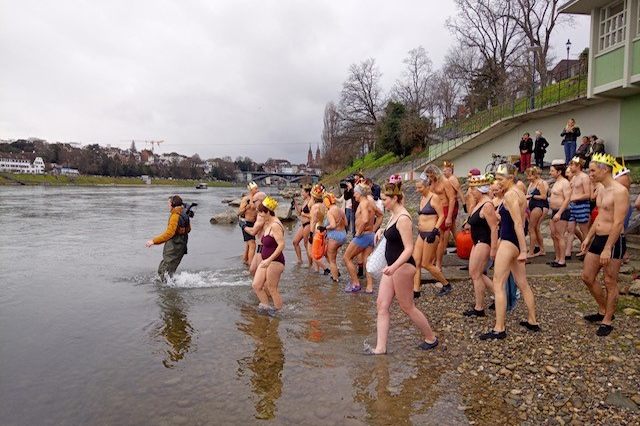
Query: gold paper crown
(317, 191)
(619, 170)
(504, 170)
(330, 198)
(577, 160)
(307, 187)
(391, 189)
(607, 159)
(270, 203)
(252, 185)
(446, 164)
(480, 180)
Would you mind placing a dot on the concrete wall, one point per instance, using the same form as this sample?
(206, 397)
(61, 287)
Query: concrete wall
(608, 67)
(630, 126)
(602, 119)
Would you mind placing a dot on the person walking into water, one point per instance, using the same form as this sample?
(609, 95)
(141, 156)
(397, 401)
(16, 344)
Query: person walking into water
(397, 276)
(302, 235)
(248, 213)
(363, 242)
(336, 232)
(267, 278)
(256, 231)
(174, 238)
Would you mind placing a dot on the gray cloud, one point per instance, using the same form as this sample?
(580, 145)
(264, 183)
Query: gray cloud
(219, 78)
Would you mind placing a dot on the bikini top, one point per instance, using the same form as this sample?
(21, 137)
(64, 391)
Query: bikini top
(428, 210)
(305, 209)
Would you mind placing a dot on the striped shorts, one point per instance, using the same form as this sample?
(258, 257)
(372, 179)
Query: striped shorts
(580, 211)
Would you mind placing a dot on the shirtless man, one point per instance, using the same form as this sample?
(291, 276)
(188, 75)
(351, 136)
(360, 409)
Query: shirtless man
(608, 246)
(255, 231)
(560, 213)
(443, 188)
(447, 171)
(579, 205)
(249, 212)
(363, 241)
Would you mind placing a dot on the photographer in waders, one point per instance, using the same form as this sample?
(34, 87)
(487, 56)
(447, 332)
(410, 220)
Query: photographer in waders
(175, 237)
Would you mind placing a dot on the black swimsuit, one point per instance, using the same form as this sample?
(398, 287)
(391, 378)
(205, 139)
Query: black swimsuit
(427, 210)
(306, 210)
(395, 247)
(480, 229)
(536, 203)
(507, 227)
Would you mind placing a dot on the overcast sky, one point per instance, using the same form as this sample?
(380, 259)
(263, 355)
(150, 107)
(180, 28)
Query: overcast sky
(216, 77)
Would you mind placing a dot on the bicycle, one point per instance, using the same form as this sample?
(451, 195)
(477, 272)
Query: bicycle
(497, 159)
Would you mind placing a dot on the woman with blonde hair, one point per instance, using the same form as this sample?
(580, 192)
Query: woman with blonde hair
(304, 213)
(336, 232)
(397, 275)
(270, 269)
(316, 218)
(538, 207)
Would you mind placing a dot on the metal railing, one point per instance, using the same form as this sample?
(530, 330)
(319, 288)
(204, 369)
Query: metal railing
(455, 132)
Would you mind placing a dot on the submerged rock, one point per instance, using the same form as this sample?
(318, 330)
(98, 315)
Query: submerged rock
(228, 217)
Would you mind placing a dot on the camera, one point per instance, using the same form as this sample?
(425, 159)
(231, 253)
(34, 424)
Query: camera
(188, 208)
(343, 184)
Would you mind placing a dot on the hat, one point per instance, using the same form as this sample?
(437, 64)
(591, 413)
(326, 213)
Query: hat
(270, 203)
(329, 198)
(446, 164)
(475, 172)
(252, 185)
(577, 160)
(395, 178)
(619, 170)
(503, 169)
(480, 180)
(607, 159)
(558, 162)
(317, 191)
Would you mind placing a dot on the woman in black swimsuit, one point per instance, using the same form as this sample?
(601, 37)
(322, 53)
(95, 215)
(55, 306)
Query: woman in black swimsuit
(483, 221)
(272, 265)
(398, 275)
(430, 217)
(538, 207)
(303, 232)
(511, 254)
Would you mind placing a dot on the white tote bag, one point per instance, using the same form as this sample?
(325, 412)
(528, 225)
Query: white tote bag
(376, 261)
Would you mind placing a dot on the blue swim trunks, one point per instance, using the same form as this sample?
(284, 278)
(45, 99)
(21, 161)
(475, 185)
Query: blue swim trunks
(364, 240)
(338, 236)
(580, 211)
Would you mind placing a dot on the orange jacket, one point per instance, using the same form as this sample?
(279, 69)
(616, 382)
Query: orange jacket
(172, 226)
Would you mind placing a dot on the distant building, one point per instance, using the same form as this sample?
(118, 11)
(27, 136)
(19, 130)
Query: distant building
(147, 157)
(20, 163)
(276, 166)
(564, 69)
(64, 171)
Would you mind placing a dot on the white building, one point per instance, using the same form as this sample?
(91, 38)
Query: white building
(20, 164)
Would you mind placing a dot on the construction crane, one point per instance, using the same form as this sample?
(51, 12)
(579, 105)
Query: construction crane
(152, 143)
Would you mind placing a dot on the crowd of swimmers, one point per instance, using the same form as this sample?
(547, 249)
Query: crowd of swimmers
(591, 206)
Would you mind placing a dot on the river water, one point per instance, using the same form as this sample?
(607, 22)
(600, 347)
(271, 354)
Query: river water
(88, 337)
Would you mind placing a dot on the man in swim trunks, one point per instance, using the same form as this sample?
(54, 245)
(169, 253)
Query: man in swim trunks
(363, 241)
(605, 241)
(579, 206)
(560, 214)
(447, 171)
(248, 214)
(442, 187)
(256, 232)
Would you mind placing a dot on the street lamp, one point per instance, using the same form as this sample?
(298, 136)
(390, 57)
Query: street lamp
(568, 48)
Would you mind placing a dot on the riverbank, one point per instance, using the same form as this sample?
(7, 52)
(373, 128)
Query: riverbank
(51, 180)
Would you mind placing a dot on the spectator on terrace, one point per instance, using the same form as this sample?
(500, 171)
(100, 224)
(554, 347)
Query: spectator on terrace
(526, 149)
(570, 135)
(584, 150)
(540, 149)
(597, 145)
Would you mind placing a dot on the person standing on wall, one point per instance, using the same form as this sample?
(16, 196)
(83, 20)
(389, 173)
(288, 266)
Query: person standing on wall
(540, 149)
(570, 135)
(526, 149)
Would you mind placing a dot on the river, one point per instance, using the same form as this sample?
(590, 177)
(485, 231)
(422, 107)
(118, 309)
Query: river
(88, 337)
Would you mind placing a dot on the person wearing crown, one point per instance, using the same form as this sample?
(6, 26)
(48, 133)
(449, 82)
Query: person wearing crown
(336, 232)
(443, 188)
(247, 213)
(605, 242)
(579, 204)
(511, 254)
(447, 171)
(256, 231)
(317, 217)
(560, 214)
(267, 278)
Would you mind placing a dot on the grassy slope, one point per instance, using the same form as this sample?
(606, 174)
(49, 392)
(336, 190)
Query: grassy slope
(7, 179)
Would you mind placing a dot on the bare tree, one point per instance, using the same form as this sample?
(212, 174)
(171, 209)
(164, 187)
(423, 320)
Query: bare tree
(413, 89)
(331, 128)
(361, 99)
(447, 94)
(538, 19)
(485, 26)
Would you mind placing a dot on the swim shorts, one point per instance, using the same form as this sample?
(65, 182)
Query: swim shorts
(364, 240)
(246, 236)
(619, 247)
(566, 214)
(580, 211)
(338, 236)
(443, 226)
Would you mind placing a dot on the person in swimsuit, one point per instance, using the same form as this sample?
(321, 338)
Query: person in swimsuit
(621, 174)
(304, 213)
(248, 214)
(316, 219)
(397, 276)
(430, 217)
(580, 204)
(256, 232)
(483, 222)
(336, 232)
(267, 278)
(605, 242)
(538, 207)
(363, 242)
(560, 213)
(443, 188)
(511, 254)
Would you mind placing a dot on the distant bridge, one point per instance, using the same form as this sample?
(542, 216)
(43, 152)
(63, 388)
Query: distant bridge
(288, 178)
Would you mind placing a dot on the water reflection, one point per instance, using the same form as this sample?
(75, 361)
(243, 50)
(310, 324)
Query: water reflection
(175, 327)
(265, 364)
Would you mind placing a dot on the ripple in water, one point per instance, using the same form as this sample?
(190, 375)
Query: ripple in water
(205, 279)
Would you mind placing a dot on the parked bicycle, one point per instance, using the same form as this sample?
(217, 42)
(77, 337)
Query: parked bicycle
(497, 159)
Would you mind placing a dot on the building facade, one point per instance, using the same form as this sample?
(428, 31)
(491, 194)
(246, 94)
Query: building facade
(20, 164)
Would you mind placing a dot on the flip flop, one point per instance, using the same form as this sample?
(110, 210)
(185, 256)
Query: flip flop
(355, 289)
